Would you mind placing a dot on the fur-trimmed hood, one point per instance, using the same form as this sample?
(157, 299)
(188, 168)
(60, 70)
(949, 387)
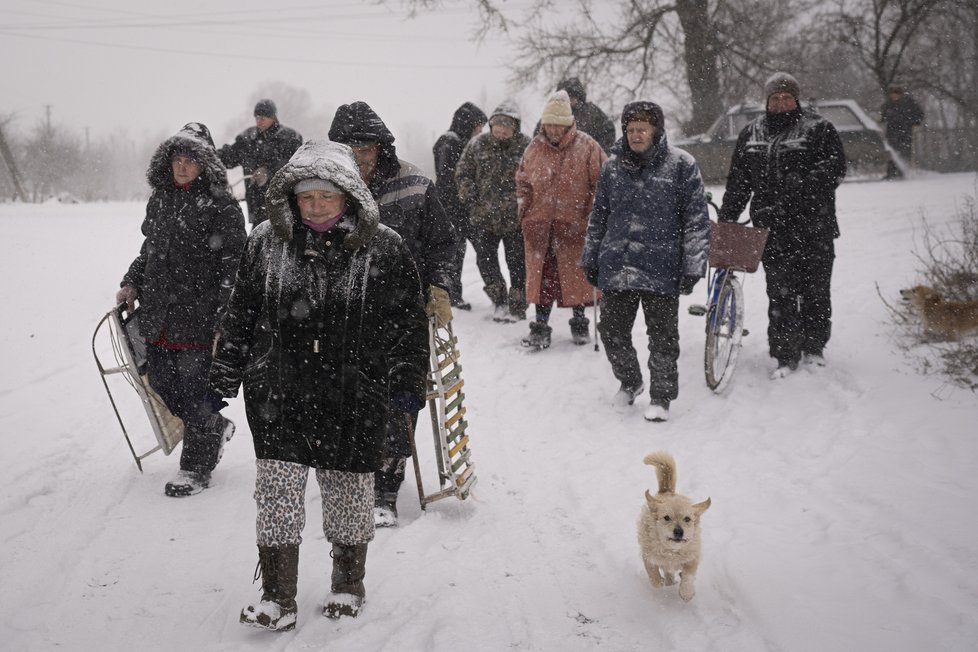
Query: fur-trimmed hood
(195, 138)
(333, 162)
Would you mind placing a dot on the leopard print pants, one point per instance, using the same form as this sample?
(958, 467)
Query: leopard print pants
(280, 490)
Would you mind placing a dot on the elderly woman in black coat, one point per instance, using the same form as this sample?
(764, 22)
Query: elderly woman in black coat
(327, 332)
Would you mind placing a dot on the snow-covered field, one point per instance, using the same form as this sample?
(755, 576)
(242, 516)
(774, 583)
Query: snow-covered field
(840, 495)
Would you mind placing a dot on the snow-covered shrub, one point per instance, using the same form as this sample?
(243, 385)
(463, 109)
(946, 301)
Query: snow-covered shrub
(948, 259)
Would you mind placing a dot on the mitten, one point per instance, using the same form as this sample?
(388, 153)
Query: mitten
(127, 295)
(687, 283)
(439, 306)
(406, 402)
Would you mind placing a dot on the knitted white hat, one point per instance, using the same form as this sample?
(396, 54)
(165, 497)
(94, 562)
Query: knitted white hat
(557, 110)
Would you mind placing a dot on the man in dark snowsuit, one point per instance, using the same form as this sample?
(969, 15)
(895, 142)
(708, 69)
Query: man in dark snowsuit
(409, 204)
(467, 122)
(260, 151)
(900, 113)
(182, 278)
(788, 163)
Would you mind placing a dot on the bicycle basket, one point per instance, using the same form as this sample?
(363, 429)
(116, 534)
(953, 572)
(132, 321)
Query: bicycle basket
(736, 245)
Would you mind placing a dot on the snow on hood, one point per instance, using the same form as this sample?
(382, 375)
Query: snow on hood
(333, 162)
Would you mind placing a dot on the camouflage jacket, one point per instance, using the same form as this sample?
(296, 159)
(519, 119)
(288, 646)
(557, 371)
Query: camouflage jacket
(486, 179)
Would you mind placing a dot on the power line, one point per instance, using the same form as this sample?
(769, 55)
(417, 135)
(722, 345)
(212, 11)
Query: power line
(224, 55)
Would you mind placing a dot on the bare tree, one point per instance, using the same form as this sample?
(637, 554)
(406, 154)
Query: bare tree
(712, 50)
(884, 34)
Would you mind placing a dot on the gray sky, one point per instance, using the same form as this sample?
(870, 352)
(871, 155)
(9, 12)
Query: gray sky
(149, 67)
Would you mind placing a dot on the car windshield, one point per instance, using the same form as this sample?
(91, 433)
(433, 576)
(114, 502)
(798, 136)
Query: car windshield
(840, 115)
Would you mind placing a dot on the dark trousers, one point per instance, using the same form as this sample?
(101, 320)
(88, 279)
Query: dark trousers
(179, 376)
(799, 294)
(618, 310)
(455, 273)
(486, 246)
(389, 478)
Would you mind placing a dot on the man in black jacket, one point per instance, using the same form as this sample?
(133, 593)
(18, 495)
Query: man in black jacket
(467, 122)
(182, 278)
(408, 204)
(588, 116)
(260, 151)
(900, 113)
(788, 163)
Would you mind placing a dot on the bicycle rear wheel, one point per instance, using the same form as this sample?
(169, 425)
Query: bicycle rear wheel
(724, 330)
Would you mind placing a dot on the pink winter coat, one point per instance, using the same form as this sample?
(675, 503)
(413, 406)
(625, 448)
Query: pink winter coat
(554, 191)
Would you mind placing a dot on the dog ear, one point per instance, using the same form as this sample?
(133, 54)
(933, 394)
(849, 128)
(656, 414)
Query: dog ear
(699, 508)
(652, 501)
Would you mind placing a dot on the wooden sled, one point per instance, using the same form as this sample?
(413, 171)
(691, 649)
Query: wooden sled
(456, 472)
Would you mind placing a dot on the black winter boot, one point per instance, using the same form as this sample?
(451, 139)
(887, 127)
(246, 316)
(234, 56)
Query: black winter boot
(387, 482)
(279, 570)
(347, 593)
(579, 330)
(517, 304)
(497, 294)
(539, 337)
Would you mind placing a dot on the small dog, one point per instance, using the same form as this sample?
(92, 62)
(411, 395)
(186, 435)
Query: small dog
(669, 530)
(949, 320)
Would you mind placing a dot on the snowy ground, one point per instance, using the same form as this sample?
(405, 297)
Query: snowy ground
(840, 496)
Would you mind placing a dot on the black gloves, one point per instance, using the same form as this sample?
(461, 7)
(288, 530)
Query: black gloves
(406, 402)
(591, 274)
(687, 283)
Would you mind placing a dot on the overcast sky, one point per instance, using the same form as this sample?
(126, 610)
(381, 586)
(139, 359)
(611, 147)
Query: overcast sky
(150, 67)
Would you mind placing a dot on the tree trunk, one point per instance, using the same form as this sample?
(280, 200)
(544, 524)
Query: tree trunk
(701, 64)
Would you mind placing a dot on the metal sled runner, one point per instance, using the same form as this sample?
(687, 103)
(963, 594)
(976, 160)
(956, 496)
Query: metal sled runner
(456, 472)
(129, 352)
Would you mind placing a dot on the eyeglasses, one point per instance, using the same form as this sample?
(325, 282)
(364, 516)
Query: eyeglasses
(638, 131)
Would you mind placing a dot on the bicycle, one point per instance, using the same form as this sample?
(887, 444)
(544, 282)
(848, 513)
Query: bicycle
(735, 250)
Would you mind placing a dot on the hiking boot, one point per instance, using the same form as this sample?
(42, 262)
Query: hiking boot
(658, 410)
(579, 330)
(279, 570)
(221, 427)
(347, 593)
(813, 360)
(502, 315)
(539, 337)
(517, 304)
(187, 483)
(461, 304)
(784, 369)
(385, 509)
(626, 395)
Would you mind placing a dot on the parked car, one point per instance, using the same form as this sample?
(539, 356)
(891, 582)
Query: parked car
(862, 138)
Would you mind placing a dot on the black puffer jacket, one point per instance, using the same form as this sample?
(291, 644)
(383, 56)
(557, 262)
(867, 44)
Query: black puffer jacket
(186, 266)
(407, 199)
(790, 163)
(447, 151)
(322, 328)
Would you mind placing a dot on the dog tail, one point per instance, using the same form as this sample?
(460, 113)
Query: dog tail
(665, 470)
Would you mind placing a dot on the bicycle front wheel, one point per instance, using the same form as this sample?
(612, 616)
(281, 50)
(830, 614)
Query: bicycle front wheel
(724, 330)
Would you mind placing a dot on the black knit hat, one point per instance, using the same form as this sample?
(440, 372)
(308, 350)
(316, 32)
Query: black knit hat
(781, 82)
(357, 124)
(266, 108)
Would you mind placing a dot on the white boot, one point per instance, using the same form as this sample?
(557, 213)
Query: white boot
(657, 411)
